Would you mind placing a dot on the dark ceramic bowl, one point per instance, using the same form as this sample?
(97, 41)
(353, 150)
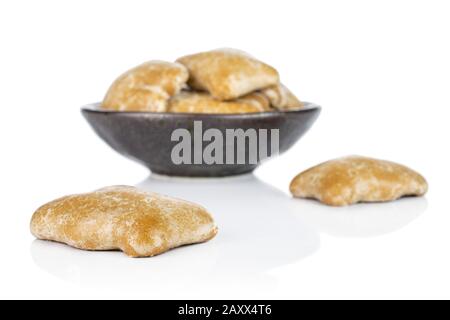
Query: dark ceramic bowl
(146, 137)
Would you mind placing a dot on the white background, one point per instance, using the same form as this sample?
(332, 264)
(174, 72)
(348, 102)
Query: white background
(381, 71)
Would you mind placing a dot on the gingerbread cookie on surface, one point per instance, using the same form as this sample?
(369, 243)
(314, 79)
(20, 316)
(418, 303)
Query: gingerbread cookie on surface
(354, 179)
(199, 102)
(227, 73)
(147, 87)
(139, 223)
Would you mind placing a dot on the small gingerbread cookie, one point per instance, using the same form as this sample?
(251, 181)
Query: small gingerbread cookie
(356, 179)
(282, 98)
(258, 99)
(200, 102)
(227, 73)
(139, 223)
(147, 87)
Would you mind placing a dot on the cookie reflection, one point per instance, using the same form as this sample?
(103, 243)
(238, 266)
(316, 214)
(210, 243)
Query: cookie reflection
(257, 231)
(361, 220)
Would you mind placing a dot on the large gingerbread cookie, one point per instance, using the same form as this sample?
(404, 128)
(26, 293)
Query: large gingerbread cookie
(139, 223)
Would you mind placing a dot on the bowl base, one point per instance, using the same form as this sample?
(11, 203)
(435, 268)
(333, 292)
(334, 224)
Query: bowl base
(202, 173)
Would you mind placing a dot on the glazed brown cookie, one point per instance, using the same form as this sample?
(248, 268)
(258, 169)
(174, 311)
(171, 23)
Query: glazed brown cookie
(282, 98)
(139, 223)
(228, 74)
(147, 87)
(356, 179)
(197, 102)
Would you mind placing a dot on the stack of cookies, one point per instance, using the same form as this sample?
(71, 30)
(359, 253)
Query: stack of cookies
(223, 81)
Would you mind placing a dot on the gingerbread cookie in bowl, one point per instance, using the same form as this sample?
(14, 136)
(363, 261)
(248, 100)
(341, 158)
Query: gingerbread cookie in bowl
(354, 179)
(228, 73)
(282, 98)
(147, 87)
(201, 102)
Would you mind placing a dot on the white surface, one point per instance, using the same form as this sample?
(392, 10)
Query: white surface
(382, 73)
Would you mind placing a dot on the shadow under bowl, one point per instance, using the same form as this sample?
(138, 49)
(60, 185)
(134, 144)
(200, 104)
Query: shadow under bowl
(147, 137)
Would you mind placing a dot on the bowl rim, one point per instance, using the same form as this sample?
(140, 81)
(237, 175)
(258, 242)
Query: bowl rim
(95, 108)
